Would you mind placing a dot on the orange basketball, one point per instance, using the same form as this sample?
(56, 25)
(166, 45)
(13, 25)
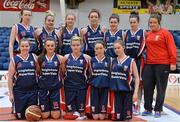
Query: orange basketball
(33, 113)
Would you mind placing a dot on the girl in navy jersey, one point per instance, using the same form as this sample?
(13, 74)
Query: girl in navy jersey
(75, 80)
(67, 32)
(123, 67)
(22, 79)
(93, 32)
(22, 30)
(135, 44)
(112, 35)
(50, 80)
(99, 81)
(47, 30)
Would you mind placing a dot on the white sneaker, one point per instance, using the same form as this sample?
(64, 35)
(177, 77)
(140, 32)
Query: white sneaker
(82, 117)
(76, 113)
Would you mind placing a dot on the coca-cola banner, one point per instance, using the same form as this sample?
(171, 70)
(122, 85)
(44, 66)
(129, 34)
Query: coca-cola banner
(17, 5)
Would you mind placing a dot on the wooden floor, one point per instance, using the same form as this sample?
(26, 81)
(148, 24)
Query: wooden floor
(172, 99)
(5, 115)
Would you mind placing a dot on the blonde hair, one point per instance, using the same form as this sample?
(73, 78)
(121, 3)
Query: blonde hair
(49, 13)
(76, 38)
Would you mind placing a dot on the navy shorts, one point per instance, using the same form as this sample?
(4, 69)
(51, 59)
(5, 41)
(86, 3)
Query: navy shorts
(123, 105)
(75, 99)
(22, 100)
(49, 100)
(99, 99)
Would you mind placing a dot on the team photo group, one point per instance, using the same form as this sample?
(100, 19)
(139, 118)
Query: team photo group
(91, 72)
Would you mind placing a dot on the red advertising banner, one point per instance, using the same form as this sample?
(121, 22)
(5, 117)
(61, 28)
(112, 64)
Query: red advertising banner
(17, 5)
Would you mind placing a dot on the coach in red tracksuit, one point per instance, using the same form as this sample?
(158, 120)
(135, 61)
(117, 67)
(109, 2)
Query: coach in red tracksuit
(161, 59)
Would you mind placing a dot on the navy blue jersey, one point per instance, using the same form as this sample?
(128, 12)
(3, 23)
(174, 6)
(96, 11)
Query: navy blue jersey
(66, 39)
(121, 74)
(28, 33)
(25, 76)
(135, 43)
(49, 77)
(44, 34)
(91, 37)
(110, 39)
(100, 72)
(75, 76)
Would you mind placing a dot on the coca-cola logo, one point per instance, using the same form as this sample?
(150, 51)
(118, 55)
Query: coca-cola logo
(172, 79)
(19, 4)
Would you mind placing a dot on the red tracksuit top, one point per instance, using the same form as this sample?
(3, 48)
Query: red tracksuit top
(160, 47)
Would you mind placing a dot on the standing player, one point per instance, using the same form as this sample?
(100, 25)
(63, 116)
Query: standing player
(75, 81)
(135, 44)
(67, 33)
(112, 35)
(161, 59)
(99, 81)
(22, 79)
(22, 30)
(46, 31)
(50, 80)
(93, 32)
(123, 67)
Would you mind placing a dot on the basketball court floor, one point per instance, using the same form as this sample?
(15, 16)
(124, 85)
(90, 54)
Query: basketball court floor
(171, 110)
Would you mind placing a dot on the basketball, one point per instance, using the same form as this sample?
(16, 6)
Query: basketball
(33, 113)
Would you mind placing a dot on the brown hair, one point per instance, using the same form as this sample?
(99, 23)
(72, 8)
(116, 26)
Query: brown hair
(114, 16)
(134, 14)
(157, 16)
(22, 10)
(100, 42)
(94, 11)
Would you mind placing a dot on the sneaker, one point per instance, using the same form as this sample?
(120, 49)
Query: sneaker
(157, 114)
(146, 113)
(81, 117)
(76, 113)
(136, 110)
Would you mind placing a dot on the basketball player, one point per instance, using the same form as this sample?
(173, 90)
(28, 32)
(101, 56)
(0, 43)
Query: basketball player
(50, 80)
(99, 81)
(123, 67)
(67, 32)
(22, 79)
(112, 35)
(22, 30)
(75, 81)
(46, 31)
(92, 32)
(135, 45)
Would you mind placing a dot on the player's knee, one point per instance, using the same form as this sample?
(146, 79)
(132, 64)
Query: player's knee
(95, 116)
(45, 115)
(55, 114)
(102, 116)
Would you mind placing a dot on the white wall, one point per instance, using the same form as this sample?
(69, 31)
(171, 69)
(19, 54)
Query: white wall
(104, 6)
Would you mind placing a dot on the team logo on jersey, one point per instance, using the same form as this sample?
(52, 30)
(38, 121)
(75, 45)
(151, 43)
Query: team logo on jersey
(55, 105)
(93, 65)
(69, 107)
(88, 34)
(23, 33)
(138, 37)
(100, 32)
(118, 37)
(32, 63)
(107, 39)
(81, 61)
(44, 36)
(106, 64)
(118, 116)
(156, 37)
(19, 115)
(103, 109)
(64, 34)
(55, 63)
(19, 65)
(128, 114)
(125, 68)
(43, 63)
